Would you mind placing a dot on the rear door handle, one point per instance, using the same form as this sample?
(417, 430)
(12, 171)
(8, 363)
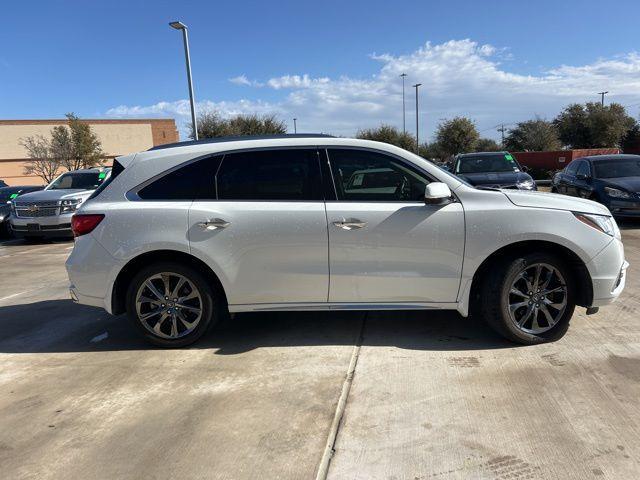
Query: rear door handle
(350, 224)
(214, 224)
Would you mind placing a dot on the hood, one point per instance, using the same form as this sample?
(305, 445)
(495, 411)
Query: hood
(631, 184)
(495, 178)
(555, 201)
(53, 195)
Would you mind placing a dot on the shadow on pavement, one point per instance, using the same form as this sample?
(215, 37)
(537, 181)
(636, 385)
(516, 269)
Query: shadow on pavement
(61, 326)
(628, 223)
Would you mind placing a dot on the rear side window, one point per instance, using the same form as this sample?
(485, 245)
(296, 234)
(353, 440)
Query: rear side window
(194, 181)
(291, 174)
(572, 167)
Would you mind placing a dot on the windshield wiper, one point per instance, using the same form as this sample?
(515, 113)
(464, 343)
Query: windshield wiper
(484, 187)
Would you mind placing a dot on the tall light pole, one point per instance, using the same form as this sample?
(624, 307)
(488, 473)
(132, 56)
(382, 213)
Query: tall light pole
(417, 119)
(185, 38)
(295, 125)
(404, 116)
(602, 94)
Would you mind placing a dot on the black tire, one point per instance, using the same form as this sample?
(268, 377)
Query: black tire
(495, 297)
(210, 303)
(554, 190)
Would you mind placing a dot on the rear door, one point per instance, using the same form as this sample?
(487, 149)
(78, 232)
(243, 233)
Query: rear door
(265, 232)
(385, 244)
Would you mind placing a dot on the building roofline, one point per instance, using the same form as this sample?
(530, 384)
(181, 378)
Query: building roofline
(49, 121)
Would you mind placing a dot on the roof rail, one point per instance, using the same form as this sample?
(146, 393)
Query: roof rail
(237, 138)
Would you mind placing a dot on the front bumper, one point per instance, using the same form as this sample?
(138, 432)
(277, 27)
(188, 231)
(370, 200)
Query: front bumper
(54, 226)
(624, 208)
(608, 272)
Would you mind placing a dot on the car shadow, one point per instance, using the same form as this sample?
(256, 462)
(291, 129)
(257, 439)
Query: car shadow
(61, 326)
(628, 223)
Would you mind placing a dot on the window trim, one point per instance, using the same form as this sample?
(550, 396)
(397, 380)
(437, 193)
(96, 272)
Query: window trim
(403, 161)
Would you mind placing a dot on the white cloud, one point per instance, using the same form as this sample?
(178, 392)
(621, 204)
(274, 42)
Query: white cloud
(459, 77)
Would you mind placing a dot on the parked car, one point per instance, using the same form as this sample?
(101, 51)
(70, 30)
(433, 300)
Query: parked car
(48, 213)
(613, 180)
(7, 194)
(2, 184)
(493, 170)
(184, 233)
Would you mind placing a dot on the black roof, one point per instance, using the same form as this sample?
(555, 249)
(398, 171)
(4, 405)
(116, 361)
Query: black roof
(237, 138)
(616, 156)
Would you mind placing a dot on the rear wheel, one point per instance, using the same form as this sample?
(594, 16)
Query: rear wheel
(529, 299)
(172, 305)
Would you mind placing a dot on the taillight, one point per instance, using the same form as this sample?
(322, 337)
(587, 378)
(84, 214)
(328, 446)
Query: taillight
(84, 223)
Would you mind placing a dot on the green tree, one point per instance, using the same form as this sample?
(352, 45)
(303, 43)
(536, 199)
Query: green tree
(211, 124)
(631, 141)
(458, 135)
(487, 145)
(592, 125)
(389, 134)
(533, 136)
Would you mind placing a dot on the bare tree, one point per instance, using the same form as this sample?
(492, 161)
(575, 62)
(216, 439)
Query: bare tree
(40, 162)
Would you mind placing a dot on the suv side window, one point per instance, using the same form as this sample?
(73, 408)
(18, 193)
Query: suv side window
(584, 169)
(194, 181)
(287, 174)
(363, 175)
(572, 167)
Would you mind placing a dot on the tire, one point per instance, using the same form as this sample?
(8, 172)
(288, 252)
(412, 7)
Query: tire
(554, 190)
(173, 317)
(517, 273)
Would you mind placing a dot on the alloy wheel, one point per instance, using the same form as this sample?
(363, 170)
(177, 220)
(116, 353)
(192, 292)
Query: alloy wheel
(169, 305)
(537, 298)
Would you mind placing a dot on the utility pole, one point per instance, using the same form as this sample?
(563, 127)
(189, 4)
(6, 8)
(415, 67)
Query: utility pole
(185, 38)
(417, 119)
(404, 116)
(502, 130)
(602, 94)
(295, 125)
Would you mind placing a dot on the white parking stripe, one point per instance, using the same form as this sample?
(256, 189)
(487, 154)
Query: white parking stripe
(14, 295)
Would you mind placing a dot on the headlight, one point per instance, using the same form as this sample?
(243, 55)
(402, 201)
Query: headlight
(526, 185)
(603, 223)
(70, 205)
(2, 217)
(616, 193)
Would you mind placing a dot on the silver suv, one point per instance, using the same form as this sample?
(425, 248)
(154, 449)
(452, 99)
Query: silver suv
(47, 213)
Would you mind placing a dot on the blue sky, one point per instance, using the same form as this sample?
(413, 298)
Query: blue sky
(334, 65)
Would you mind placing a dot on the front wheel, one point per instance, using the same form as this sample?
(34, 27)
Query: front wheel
(529, 299)
(172, 305)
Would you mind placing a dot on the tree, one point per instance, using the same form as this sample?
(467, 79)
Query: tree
(457, 135)
(388, 134)
(211, 125)
(41, 163)
(533, 135)
(631, 141)
(592, 125)
(85, 148)
(487, 145)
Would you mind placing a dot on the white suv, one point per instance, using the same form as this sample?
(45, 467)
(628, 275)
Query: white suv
(184, 233)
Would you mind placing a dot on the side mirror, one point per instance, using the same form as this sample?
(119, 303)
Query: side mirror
(525, 169)
(582, 176)
(437, 193)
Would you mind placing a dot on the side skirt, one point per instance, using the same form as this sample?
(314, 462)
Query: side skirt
(300, 307)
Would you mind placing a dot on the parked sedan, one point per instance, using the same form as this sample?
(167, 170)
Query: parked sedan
(613, 180)
(492, 169)
(6, 195)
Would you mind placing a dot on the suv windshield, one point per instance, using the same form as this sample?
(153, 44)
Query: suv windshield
(79, 181)
(613, 168)
(499, 162)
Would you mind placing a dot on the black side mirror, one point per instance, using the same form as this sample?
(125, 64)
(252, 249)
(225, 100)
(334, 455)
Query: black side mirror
(525, 169)
(582, 176)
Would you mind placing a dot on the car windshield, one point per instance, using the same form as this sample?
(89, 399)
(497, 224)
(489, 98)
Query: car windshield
(79, 181)
(500, 162)
(614, 168)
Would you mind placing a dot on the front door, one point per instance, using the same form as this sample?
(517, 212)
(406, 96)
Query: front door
(266, 233)
(385, 244)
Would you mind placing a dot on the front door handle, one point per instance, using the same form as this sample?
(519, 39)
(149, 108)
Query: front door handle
(350, 224)
(214, 224)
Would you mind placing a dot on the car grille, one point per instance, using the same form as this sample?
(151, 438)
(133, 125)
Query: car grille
(37, 209)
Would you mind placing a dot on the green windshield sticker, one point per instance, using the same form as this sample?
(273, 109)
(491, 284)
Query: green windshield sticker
(509, 157)
(102, 175)
(12, 196)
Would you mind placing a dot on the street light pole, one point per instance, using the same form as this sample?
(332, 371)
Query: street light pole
(295, 126)
(417, 120)
(602, 94)
(185, 38)
(404, 116)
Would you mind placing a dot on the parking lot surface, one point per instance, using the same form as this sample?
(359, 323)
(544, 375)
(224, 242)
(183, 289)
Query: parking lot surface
(431, 395)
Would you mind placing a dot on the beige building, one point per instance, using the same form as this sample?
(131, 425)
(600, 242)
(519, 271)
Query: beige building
(118, 137)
